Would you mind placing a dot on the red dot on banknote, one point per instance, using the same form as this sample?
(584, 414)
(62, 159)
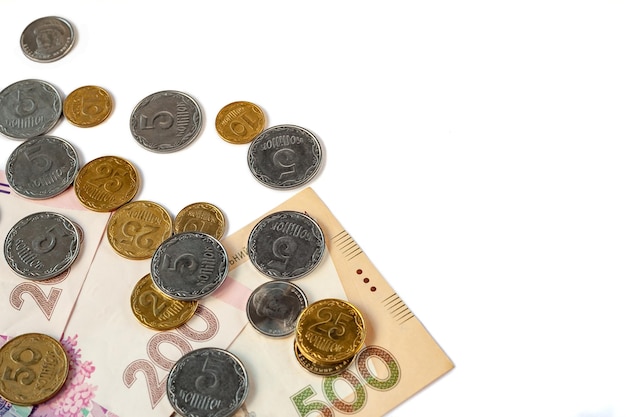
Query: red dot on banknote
(366, 280)
(373, 289)
(359, 271)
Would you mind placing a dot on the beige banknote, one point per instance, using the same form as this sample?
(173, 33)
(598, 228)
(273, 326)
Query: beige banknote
(44, 306)
(399, 359)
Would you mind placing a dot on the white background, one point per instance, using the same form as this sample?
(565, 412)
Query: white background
(475, 150)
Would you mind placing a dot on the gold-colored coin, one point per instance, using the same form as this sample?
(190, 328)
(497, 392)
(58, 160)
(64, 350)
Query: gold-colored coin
(33, 368)
(156, 310)
(240, 122)
(201, 217)
(87, 106)
(136, 229)
(320, 369)
(330, 331)
(106, 183)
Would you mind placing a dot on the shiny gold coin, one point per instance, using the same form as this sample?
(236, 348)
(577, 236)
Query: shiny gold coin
(33, 368)
(87, 106)
(201, 217)
(330, 331)
(106, 183)
(156, 310)
(240, 122)
(320, 369)
(136, 229)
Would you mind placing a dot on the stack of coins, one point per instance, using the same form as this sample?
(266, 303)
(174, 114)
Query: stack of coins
(35, 367)
(329, 334)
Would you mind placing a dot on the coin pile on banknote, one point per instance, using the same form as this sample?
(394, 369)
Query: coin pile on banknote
(35, 367)
(329, 334)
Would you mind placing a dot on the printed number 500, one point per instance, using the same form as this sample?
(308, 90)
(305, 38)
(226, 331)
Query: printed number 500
(305, 405)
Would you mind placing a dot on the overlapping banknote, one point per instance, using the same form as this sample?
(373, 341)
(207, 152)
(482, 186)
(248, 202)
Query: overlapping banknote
(119, 368)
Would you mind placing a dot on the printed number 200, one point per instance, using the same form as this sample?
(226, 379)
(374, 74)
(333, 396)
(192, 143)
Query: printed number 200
(305, 407)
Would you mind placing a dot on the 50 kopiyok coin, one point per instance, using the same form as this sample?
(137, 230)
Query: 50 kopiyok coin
(35, 367)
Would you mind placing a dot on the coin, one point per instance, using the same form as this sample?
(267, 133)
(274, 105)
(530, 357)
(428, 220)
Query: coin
(166, 121)
(189, 265)
(42, 167)
(286, 245)
(201, 217)
(87, 106)
(284, 156)
(321, 368)
(273, 308)
(29, 108)
(239, 122)
(136, 229)
(207, 382)
(156, 310)
(106, 183)
(41, 245)
(34, 368)
(330, 331)
(47, 39)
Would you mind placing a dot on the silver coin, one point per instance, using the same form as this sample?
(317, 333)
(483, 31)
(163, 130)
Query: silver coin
(286, 245)
(284, 156)
(29, 108)
(189, 265)
(47, 39)
(166, 121)
(273, 307)
(207, 382)
(42, 167)
(41, 245)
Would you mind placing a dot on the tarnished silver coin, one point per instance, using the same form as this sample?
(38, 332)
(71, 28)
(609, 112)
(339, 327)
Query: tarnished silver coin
(29, 108)
(41, 245)
(286, 245)
(47, 39)
(42, 167)
(189, 265)
(207, 382)
(284, 156)
(273, 307)
(166, 121)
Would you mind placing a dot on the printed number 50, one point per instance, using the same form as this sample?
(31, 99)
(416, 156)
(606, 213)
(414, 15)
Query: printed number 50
(305, 407)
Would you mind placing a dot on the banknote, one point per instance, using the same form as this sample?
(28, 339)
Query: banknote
(399, 358)
(118, 366)
(44, 306)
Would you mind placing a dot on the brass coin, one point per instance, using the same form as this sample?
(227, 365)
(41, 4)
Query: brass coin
(201, 217)
(106, 183)
(136, 229)
(239, 122)
(87, 106)
(330, 331)
(33, 368)
(156, 310)
(320, 369)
